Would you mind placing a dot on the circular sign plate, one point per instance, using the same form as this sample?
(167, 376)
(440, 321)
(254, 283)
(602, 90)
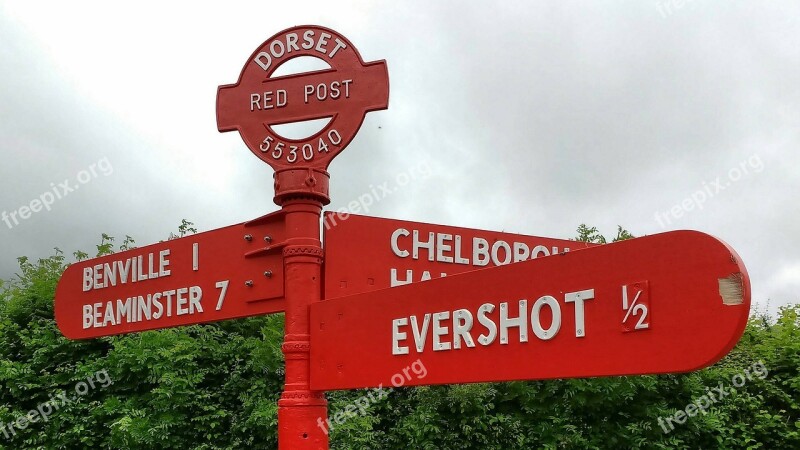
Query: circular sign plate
(344, 93)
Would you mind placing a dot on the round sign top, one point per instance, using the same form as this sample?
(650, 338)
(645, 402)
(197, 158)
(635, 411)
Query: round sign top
(344, 93)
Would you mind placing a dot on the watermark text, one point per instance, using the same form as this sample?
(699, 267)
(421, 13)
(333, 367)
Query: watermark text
(712, 395)
(57, 191)
(99, 379)
(697, 200)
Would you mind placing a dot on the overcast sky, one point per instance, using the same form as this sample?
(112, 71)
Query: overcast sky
(527, 117)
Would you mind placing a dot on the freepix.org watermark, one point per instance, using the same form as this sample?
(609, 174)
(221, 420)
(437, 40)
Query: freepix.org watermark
(753, 164)
(56, 192)
(43, 412)
(377, 193)
(712, 395)
(362, 404)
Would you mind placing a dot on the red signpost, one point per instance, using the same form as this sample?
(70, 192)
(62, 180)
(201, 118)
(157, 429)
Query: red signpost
(231, 272)
(666, 303)
(345, 93)
(671, 302)
(368, 253)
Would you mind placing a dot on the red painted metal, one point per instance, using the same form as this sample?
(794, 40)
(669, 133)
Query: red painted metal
(665, 303)
(253, 106)
(369, 253)
(696, 287)
(300, 409)
(344, 93)
(154, 278)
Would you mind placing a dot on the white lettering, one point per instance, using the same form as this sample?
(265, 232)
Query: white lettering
(462, 324)
(395, 247)
(420, 335)
(521, 252)
(263, 60)
(98, 276)
(159, 307)
(480, 251)
(460, 336)
(578, 298)
(181, 301)
(291, 43)
(106, 275)
(187, 300)
(88, 318)
(145, 307)
(323, 91)
(486, 339)
(339, 45)
(398, 336)
(417, 244)
(495, 251)
(87, 279)
(439, 331)
(110, 272)
(322, 42)
(276, 52)
(458, 258)
(195, 295)
(536, 324)
(393, 281)
(520, 322)
(441, 247)
(539, 250)
(124, 311)
(308, 39)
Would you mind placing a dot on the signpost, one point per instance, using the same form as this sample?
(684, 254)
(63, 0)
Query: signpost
(345, 93)
(671, 302)
(397, 252)
(231, 272)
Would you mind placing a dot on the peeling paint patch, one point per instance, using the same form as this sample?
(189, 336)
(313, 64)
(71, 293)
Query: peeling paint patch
(731, 289)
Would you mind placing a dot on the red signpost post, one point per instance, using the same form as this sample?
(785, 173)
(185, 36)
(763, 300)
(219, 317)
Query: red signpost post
(344, 93)
(666, 303)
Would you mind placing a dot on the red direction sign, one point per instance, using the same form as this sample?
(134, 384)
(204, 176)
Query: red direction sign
(344, 93)
(368, 253)
(672, 302)
(231, 272)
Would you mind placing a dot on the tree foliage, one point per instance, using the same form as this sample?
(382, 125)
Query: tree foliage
(592, 235)
(216, 386)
